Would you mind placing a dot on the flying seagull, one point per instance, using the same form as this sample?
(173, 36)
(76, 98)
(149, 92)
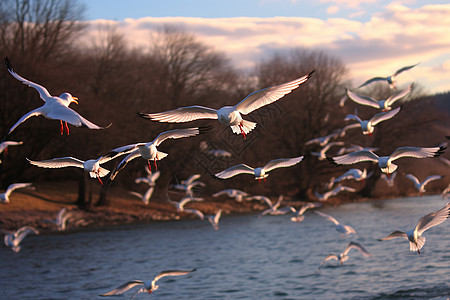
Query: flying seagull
(342, 257)
(385, 162)
(55, 108)
(333, 192)
(148, 286)
(13, 239)
(384, 104)
(343, 229)
(390, 79)
(230, 115)
(148, 151)
(368, 126)
(238, 195)
(92, 166)
(420, 186)
(416, 240)
(4, 197)
(260, 172)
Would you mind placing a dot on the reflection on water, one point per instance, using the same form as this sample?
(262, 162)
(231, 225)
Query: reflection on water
(248, 258)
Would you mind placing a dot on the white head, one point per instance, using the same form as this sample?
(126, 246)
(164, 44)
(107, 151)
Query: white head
(69, 98)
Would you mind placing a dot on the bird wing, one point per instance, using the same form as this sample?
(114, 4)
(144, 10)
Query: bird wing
(220, 193)
(394, 97)
(5, 144)
(60, 162)
(393, 235)
(120, 151)
(16, 186)
(171, 273)
(124, 287)
(416, 152)
(353, 117)
(22, 232)
(192, 178)
(413, 179)
(235, 170)
(363, 100)
(148, 194)
(404, 69)
(378, 78)
(269, 95)
(328, 217)
(330, 256)
(354, 245)
(61, 112)
(383, 116)
(138, 195)
(175, 134)
(217, 216)
(183, 114)
(431, 178)
(282, 163)
(154, 176)
(33, 113)
(196, 212)
(433, 219)
(43, 93)
(123, 163)
(355, 157)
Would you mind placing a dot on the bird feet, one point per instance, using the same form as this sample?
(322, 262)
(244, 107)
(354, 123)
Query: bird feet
(242, 130)
(65, 126)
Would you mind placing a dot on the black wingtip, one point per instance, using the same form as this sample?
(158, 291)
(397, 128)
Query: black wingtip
(142, 115)
(331, 160)
(8, 63)
(310, 73)
(440, 151)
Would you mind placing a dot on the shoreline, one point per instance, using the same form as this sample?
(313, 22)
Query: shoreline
(33, 207)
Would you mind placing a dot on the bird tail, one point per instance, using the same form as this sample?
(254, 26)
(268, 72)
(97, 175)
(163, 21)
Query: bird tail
(419, 245)
(247, 126)
(391, 169)
(160, 155)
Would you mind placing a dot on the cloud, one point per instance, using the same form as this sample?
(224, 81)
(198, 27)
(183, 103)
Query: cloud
(332, 9)
(395, 37)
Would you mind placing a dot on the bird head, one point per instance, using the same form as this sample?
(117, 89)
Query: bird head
(68, 97)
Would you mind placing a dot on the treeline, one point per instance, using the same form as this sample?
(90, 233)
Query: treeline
(113, 82)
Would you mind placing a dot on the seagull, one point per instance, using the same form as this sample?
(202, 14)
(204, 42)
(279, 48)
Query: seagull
(354, 174)
(386, 104)
(389, 179)
(231, 115)
(61, 219)
(420, 186)
(274, 209)
(322, 153)
(150, 179)
(238, 195)
(219, 153)
(188, 184)
(390, 79)
(342, 257)
(214, 219)
(13, 239)
(148, 151)
(148, 286)
(416, 240)
(92, 166)
(333, 192)
(343, 229)
(4, 197)
(298, 214)
(186, 199)
(260, 172)
(367, 126)
(145, 197)
(385, 162)
(55, 108)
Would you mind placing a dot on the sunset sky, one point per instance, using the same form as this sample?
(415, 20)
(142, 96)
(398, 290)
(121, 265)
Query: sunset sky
(373, 38)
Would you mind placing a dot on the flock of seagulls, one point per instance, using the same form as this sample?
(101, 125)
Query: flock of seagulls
(57, 108)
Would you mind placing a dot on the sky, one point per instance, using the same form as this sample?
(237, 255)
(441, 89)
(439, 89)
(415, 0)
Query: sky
(371, 37)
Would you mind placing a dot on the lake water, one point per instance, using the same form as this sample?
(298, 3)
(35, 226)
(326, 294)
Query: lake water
(250, 257)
